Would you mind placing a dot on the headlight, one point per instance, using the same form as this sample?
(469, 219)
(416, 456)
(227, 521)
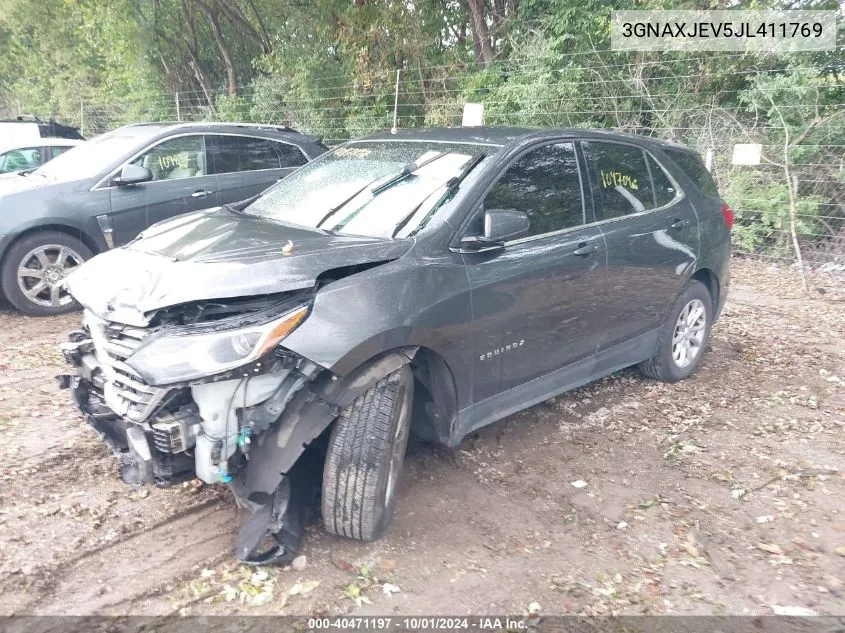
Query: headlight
(178, 357)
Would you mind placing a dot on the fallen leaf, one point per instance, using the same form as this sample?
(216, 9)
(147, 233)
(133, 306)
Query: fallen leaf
(259, 577)
(343, 565)
(352, 590)
(771, 548)
(262, 598)
(389, 589)
(388, 565)
(301, 588)
(841, 550)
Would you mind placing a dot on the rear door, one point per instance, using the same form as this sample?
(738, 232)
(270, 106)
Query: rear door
(537, 302)
(247, 165)
(651, 231)
(181, 183)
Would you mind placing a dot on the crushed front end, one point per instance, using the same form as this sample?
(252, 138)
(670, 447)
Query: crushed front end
(193, 393)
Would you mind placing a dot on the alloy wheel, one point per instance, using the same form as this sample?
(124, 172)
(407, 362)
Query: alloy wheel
(42, 271)
(688, 336)
(397, 456)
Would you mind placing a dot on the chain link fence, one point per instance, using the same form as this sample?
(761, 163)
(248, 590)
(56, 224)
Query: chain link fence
(794, 200)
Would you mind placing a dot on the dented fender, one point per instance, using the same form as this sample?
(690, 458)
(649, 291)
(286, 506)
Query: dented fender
(307, 415)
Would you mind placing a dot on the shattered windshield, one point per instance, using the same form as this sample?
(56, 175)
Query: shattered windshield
(367, 188)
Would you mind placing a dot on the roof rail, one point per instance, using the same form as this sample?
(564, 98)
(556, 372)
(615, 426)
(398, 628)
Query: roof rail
(264, 126)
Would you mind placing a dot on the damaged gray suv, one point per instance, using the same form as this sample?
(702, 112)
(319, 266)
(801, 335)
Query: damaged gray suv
(425, 281)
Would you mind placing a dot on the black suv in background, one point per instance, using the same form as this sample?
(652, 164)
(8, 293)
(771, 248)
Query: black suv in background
(105, 191)
(436, 279)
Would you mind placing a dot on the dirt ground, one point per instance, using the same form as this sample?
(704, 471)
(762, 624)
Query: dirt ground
(724, 494)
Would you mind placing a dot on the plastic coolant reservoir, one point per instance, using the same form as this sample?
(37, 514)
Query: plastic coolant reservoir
(218, 402)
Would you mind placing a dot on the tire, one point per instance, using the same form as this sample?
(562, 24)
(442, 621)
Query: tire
(24, 253)
(666, 365)
(364, 458)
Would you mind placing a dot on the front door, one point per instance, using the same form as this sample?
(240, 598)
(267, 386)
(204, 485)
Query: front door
(537, 302)
(181, 183)
(651, 231)
(247, 165)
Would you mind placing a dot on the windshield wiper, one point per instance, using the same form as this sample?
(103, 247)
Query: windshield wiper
(399, 176)
(406, 171)
(450, 186)
(338, 207)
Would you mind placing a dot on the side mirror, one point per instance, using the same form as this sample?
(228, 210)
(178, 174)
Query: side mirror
(500, 225)
(133, 175)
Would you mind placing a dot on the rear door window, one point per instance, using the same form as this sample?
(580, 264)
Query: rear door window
(289, 155)
(664, 190)
(243, 153)
(623, 179)
(695, 170)
(546, 185)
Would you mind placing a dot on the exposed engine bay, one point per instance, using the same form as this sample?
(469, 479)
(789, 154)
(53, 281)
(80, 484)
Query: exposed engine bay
(206, 391)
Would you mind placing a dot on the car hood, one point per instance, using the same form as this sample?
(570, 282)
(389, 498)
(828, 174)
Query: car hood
(215, 254)
(13, 183)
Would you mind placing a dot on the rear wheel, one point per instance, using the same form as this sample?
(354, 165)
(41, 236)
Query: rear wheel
(35, 268)
(365, 456)
(683, 336)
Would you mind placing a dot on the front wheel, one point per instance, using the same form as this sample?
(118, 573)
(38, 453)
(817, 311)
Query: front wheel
(34, 271)
(365, 456)
(683, 336)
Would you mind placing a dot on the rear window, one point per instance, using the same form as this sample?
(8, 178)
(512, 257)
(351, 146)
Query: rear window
(694, 168)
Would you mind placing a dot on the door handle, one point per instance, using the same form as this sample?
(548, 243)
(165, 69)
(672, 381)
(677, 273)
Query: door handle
(679, 224)
(585, 249)
(201, 193)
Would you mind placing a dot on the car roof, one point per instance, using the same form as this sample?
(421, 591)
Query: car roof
(481, 135)
(505, 135)
(55, 140)
(160, 128)
(21, 143)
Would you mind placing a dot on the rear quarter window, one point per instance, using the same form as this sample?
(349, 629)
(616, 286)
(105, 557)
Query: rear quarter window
(695, 170)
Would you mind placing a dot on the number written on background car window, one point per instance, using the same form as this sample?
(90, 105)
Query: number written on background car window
(181, 157)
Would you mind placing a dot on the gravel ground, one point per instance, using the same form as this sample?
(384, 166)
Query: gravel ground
(724, 494)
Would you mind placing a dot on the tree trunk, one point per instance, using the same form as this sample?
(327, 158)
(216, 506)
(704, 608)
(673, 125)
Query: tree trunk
(480, 32)
(228, 61)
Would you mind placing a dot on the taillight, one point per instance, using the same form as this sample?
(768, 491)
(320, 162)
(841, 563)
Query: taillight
(728, 215)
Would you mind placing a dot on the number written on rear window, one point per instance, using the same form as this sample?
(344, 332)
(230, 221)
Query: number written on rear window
(623, 179)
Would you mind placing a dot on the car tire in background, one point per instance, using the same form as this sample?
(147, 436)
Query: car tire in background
(683, 337)
(365, 456)
(34, 268)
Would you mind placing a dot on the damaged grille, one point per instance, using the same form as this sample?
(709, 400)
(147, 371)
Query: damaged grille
(124, 391)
